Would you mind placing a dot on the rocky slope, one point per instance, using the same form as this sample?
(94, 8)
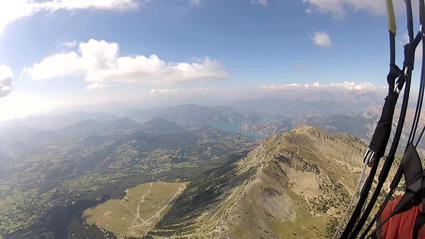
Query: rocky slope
(292, 186)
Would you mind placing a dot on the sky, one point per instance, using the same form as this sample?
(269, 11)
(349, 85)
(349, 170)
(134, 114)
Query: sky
(63, 53)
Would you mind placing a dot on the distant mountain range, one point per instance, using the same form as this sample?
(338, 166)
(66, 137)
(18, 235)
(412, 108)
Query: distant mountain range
(263, 117)
(194, 115)
(55, 121)
(361, 125)
(275, 105)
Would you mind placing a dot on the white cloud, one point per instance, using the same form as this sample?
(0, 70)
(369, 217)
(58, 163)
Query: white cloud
(338, 8)
(70, 44)
(324, 6)
(365, 86)
(99, 61)
(164, 91)
(97, 86)
(6, 77)
(58, 65)
(199, 89)
(12, 10)
(322, 39)
(260, 2)
(195, 2)
(174, 91)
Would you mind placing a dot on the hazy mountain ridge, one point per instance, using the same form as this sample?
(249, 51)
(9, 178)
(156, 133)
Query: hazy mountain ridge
(303, 103)
(93, 127)
(162, 126)
(265, 117)
(56, 121)
(54, 127)
(361, 125)
(194, 115)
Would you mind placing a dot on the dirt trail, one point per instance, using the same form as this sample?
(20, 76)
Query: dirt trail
(137, 214)
(292, 139)
(157, 215)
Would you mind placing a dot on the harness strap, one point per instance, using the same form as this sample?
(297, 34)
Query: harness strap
(383, 130)
(415, 188)
(420, 221)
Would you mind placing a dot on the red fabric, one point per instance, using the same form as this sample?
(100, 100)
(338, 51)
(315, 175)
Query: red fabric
(401, 225)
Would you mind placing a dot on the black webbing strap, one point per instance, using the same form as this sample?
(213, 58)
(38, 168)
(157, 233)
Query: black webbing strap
(413, 173)
(394, 73)
(383, 130)
(387, 166)
(420, 220)
(412, 169)
(422, 21)
(411, 197)
(361, 202)
(380, 137)
(422, 12)
(409, 51)
(377, 218)
(382, 133)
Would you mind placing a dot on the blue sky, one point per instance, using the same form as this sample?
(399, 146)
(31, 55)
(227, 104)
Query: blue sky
(207, 45)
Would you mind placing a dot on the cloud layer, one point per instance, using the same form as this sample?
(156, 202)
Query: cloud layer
(99, 61)
(365, 86)
(176, 91)
(97, 86)
(194, 2)
(16, 9)
(6, 77)
(260, 2)
(322, 39)
(338, 8)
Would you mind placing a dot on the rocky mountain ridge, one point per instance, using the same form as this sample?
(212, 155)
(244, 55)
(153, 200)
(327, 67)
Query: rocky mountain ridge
(292, 185)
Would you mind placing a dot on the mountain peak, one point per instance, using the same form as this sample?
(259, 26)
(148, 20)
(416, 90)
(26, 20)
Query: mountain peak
(305, 139)
(306, 129)
(296, 173)
(162, 126)
(290, 186)
(373, 111)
